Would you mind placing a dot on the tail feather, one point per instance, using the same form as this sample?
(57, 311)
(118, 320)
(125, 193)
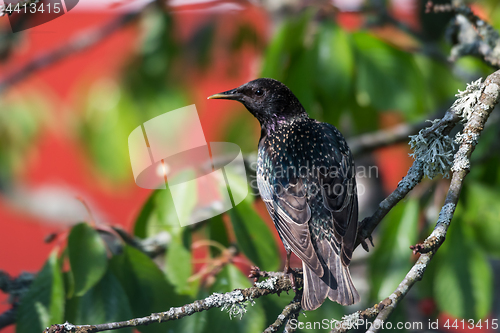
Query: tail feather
(345, 293)
(315, 290)
(336, 284)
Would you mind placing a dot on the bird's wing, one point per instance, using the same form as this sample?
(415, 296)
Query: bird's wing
(334, 222)
(339, 196)
(334, 205)
(286, 202)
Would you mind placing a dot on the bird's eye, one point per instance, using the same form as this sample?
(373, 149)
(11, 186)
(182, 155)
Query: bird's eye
(259, 92)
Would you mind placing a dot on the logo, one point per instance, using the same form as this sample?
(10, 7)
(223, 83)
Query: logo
(170, 150)
(26, 14)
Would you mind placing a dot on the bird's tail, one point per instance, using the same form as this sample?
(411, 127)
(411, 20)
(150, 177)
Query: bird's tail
(336, 284)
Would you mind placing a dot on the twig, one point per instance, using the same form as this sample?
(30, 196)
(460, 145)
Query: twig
(412, 178)
(78, 44)
(490, 95)
(290, 310)
(152, 246)
(469, 138)
(473, 35)
(15, 287)
(383, 16)
(8, 317)
(232, 301)
(358, 318)
(368, 142)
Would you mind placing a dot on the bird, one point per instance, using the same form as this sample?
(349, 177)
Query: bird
(306, 177)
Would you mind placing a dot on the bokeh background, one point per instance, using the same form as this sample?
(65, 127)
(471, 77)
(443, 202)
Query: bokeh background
(364, 66)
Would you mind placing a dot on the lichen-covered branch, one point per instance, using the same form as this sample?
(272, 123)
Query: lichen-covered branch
(473, 35)
(15, 287)
(412, 178)
(461, 165)
(234, 302)
(433, 152)
(77, 44)
(474, 125)
(473, 107)
(8, 318)
(288, 313)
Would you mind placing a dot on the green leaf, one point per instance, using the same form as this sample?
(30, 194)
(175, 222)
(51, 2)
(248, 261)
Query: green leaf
(159, 213)
(482, 213)
(163, 216)
(185, 194)
(145, 286)
(178, 264)
(253, 320)
(106, 302)
(287, 43)
(87, 257)
(217, 232)
(195, 323)
(334, 77)
(140, 226)
(43, 303)
(387, 78)
(463, 282)
(254, 237)
(335, 60)
(438, 91)
(392, 257)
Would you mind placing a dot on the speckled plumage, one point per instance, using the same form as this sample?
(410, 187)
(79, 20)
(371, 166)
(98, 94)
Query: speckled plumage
(306, 177)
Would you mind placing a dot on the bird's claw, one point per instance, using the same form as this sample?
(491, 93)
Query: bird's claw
(256, 273)
(364, 244)
(291, 275)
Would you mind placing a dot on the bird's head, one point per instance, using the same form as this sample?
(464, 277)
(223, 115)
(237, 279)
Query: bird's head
(267, 99)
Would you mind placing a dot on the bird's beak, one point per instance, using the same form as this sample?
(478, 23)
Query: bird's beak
(230, 94)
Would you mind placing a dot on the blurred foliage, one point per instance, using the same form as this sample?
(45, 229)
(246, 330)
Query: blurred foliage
(20, 122)
(347, 78)
(391, 260)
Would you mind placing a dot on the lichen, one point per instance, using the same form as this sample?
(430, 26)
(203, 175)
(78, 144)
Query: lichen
(233, 302)
(467, 99)
(461, 161)
(268, 284)
(446, 213)
(220, 300)
(434, 151)
(348, 321)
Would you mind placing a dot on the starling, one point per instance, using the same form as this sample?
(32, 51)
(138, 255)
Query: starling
(305, 175)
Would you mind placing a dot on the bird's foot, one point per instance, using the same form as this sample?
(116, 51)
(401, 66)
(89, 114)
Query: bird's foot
(291, 275)
(256, 273)
(364, 244)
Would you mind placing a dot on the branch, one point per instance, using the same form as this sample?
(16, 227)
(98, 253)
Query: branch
(233, 302)
(15, 287)
(152, 246)
(77, 44)
(472, 35)
(368, 142)
(475, 122)
(413, 177)
(289, 312)
(383, 16)
(8, 318)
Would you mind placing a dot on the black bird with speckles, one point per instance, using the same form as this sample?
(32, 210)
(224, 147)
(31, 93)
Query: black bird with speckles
(306, 177)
